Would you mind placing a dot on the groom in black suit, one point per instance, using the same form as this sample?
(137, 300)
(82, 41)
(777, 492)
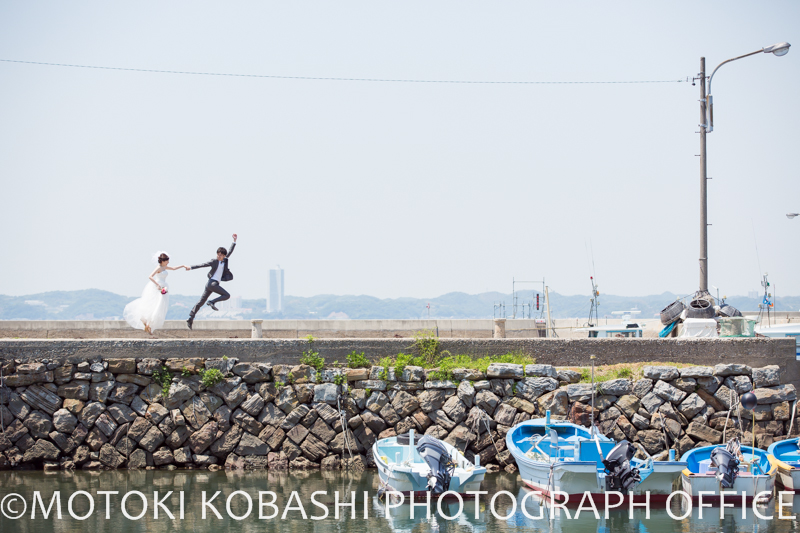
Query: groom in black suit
(219, 272)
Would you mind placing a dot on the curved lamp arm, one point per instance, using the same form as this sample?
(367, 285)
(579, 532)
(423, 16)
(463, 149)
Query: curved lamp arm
(779, 49)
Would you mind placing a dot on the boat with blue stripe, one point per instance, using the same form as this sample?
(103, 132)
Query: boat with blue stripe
(565, 461)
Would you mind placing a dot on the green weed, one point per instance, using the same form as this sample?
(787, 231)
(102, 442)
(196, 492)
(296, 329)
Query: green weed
(357, 360)
(427, 344)
(211, 377)
(163, 377)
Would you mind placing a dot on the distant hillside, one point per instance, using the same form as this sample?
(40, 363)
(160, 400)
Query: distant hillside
(97, 304)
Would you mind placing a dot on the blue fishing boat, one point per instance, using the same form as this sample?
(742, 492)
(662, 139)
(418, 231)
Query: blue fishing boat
(565, 461)
(732, 467)
(785, 455)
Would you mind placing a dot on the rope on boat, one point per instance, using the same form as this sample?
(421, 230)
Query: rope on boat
(476, 430)
(791, 423)
(385, 490)
(735, 448)
(734, 402)
(489, 431)
(345, 427)
(551, 487)
(739, 416)
(667, 432)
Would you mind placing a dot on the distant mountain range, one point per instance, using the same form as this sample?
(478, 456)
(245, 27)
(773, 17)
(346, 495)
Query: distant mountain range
(94, 304)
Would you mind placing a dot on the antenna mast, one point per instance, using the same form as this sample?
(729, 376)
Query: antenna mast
(766, 303)
(595, 300)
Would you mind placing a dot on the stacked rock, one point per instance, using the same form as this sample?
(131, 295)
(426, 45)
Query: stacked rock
(119, 413)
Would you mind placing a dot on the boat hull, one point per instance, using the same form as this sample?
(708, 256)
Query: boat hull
(698, 478)
(577, 478)
(408, 482)
(750, 486)
(575, 467)
(790, 479)
(783, 456)
(788, 476)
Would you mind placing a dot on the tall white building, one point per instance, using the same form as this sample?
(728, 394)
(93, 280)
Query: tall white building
(275, 290)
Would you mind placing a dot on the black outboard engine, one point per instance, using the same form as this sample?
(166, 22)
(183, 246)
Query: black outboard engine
(620, 476)
(439, 461)
(727, 466)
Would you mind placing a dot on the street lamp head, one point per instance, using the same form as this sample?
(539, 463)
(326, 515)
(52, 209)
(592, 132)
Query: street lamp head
(780, 49)
(792, 215)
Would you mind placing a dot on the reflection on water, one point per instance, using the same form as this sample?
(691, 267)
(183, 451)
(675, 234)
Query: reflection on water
(398, 520)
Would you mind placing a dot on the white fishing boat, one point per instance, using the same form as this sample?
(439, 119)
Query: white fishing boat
(785, 455)
(732, 467)
(426, 465)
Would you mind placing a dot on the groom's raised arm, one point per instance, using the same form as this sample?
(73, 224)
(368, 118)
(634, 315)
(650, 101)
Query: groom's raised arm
(233, 245)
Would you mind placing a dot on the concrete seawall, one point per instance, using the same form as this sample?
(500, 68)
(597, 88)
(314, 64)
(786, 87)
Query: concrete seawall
(756, 352)
(565, 328)
(298, 329)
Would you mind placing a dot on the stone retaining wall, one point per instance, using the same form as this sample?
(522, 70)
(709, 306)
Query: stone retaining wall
(110, 413)
(755, 352)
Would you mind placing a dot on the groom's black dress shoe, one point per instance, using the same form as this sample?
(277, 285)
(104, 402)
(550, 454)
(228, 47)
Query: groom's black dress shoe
(212, 306)
(189, 323)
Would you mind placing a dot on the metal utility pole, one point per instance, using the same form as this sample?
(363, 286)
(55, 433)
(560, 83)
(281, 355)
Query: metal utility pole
(547, 303)
(703, 183)
(706, 126)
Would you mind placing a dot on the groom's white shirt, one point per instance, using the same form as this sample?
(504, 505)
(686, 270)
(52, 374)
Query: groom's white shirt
(218, 274)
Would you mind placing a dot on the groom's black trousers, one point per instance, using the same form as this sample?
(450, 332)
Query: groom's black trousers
(211, 287)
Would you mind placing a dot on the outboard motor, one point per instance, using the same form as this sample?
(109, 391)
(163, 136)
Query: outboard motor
(620, 476)
(438, 459)
(727, 466)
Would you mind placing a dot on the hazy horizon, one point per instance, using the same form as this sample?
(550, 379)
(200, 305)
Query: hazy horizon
(250, 297)
(93, 304)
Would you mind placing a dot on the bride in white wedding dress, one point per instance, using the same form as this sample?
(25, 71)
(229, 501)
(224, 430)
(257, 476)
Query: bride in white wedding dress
(150, 311)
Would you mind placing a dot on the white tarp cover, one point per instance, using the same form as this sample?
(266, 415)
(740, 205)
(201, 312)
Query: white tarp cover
(699, 327)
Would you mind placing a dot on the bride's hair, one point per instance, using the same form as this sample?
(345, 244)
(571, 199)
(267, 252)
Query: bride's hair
(163, 257)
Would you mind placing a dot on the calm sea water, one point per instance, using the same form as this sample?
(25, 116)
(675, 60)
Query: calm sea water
(193, 484)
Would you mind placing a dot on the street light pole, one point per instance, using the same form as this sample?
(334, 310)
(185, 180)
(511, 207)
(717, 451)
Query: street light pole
(707, 126)
(703, 183)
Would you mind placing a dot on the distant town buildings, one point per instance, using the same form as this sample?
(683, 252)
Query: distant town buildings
(235, 302)
(230, 309)
(275, 290)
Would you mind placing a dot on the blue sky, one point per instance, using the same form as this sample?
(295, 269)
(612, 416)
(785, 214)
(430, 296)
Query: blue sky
(397, 189)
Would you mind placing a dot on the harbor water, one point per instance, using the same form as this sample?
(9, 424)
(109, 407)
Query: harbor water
(239, 498)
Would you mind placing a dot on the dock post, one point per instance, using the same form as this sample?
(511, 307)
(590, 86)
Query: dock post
(255, 328)
(499, 328)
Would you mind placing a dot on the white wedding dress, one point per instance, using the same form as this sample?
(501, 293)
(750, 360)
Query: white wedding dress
(151, 308)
